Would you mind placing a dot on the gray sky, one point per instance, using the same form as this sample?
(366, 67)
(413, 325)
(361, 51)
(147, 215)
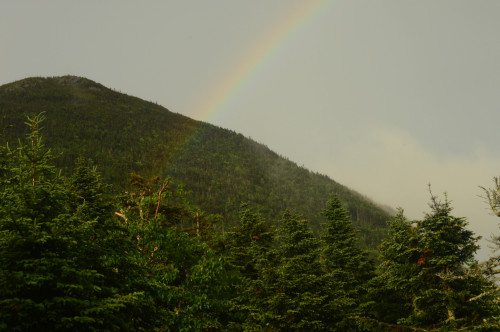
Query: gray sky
(382, 96)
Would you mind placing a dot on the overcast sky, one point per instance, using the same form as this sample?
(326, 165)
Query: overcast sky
(382, 96)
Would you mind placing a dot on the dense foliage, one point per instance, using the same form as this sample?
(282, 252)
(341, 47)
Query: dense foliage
(75, 255)
(73, 259)
(428, 277)
(64, 262)
(221, 168)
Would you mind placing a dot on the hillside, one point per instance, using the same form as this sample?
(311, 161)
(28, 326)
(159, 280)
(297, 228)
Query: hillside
(221, 168)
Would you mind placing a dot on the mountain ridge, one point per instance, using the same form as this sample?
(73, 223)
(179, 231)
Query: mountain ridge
(221, 168)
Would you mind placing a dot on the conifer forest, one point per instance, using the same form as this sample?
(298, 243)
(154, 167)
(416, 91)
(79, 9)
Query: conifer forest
(149, 221)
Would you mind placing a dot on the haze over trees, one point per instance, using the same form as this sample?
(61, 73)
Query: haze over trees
(78, 254)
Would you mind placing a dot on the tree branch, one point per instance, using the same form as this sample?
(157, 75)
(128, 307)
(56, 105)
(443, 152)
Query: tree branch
(159, 196)
(493, 196)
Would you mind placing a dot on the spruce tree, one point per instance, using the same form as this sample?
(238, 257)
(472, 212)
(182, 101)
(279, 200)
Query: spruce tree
(344, 261)
(429, 269)
(88, 196)
(49, 279)
(448, 272)
(391, 291)
(298, 294)
(248, 242)
(249, 248)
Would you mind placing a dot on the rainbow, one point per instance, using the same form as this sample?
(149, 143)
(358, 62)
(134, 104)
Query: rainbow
(251, 65)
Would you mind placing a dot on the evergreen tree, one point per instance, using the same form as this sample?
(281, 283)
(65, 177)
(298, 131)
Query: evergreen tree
(429, 269)
(298, 296)
(248, 242)
(47, 281)
(344, 261)
(109, 247)
(249, 246)
(492, 265)
(391, 291)
(88, 195)
(187, 282)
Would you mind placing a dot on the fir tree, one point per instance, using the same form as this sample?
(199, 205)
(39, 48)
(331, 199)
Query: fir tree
(391, 290)
(298, 294)
(429, 269)
(249, 247)
(88, 193)
(248, 242)
(344, 261)
(47, 281)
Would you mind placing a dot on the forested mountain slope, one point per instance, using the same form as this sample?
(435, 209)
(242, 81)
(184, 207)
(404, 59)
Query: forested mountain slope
(221, 168)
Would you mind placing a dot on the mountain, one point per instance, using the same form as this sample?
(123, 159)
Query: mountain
(221, 168)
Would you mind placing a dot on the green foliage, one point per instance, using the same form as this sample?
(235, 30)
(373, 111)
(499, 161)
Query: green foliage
(429, 278)
(340, 245)
(123, 134)
(249, 242)
(75, 257)
(187, 282)
(88, 193)
(297, 294)
(344, 261)
(249, 249)
(51, 277)
(393, 287)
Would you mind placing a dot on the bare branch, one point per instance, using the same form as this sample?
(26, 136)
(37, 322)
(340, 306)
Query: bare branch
(482, 294)
(159, 195)
(121, 215)
(493, 196)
